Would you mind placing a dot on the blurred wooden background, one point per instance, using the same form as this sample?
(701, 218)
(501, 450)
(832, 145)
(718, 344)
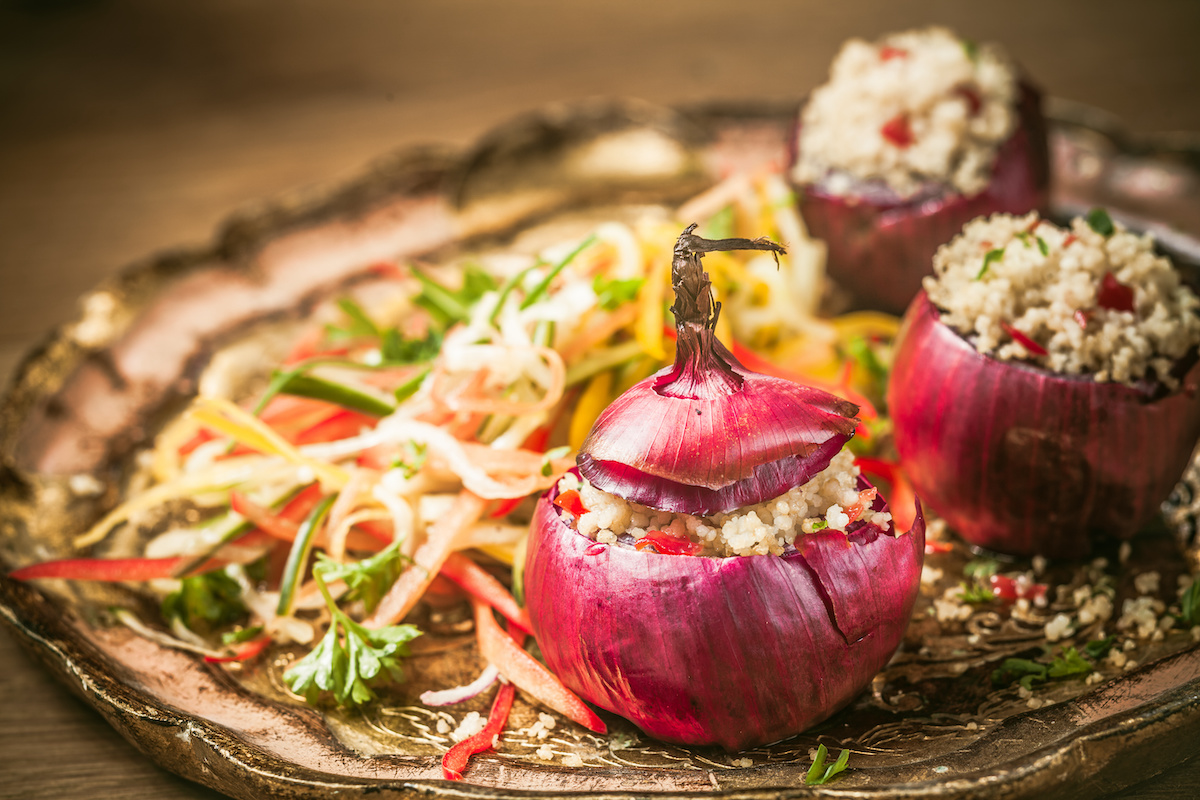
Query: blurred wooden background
(129, 126)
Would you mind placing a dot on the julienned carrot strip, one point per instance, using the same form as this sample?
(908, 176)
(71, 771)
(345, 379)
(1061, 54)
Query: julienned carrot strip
(480, 584)
(530, 676)
(110, 570)
(441, 539)
(456, 758)
(276, 525)
(248, 651)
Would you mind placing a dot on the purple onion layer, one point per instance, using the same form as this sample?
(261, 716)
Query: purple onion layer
(1022, 460)
(880, 246)
(736, 652)
(705, 455)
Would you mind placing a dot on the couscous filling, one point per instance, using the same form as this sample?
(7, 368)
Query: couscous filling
(911, 109)
(831, 500)
(1091, 299)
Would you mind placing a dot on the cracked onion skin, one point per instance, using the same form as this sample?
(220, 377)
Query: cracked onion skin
(1021, 460)
(736, 652)
(880, 245)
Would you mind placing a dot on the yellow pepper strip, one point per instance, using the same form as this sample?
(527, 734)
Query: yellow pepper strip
(594, 399)
(225, 417)
(648, 328)
(867, 324)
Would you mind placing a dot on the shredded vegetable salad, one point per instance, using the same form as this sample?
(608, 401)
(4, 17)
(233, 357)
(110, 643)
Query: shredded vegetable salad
(395, 453)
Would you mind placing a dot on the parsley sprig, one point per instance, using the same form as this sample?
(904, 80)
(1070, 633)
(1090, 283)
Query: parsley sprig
(351, 656)
(819, 774)
(1069, 663)
(205, 602)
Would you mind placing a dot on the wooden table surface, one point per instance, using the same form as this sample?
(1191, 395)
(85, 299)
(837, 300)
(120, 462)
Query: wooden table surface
(131, 126)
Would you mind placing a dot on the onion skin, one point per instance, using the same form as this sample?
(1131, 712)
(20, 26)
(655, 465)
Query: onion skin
(1021, 460)
(736, 652)
(880, 246)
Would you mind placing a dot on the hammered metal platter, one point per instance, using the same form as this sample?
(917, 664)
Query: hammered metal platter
(931, 725)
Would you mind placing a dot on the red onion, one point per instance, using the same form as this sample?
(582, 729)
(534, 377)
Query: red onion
(737, 651)
(881, 245)
(1021, 460)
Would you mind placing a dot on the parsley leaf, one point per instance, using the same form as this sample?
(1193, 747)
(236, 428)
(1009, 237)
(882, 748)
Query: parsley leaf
(1098, 648)
(615, 293)
(971, 49)
(975, 593)
(241, 635)
(367, 580)
(1068, 664)
(350, 656)
(981, 568)
(395, 349)
(1042, 246)
(819, 774)
(1099, 221)
(1022, 670)
(414, 461)
(207, 601)
(1189, 603)
(360, 325)
(992, 255)
(448, 306)
(347, 659)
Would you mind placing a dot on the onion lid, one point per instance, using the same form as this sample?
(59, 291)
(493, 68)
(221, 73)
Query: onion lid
(706, 435)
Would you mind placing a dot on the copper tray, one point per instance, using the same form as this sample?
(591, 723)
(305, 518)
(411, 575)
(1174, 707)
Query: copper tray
(931, 725)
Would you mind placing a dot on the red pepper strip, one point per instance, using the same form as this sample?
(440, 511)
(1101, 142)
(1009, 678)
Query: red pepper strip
(386, 269)
(456, 758)
(887, 53)
(529, 674)
(897, 131)
(504, 507)
(902, 500)
(249, 650)
(865, 498)
(342, 424)
(282, 524)
(668, 545)
(570, 502)
(1070, 240)
(933, 547)
(111, 570)
(376, 529)
(1033, 347)
(753, 361)
(1114, 295)
(480, 584)
(309, 346)
(1082, 317)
